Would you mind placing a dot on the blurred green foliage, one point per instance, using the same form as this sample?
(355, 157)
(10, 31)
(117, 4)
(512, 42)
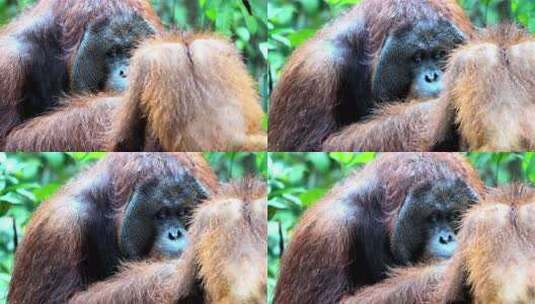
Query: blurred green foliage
(27, 179)
(245, 22)
(298, 180)
(290, 23)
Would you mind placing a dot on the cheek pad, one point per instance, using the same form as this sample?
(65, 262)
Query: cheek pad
(391, 80)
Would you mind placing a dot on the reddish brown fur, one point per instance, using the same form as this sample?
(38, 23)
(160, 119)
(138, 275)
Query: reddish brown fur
(494, 263)
(413, 126)
(409, 285)
(488, 94)
(232, 244)
(80, 124)
(305, 105)
(66, 21)
(75, 15)
(490, 84)
(321, 263)
(228, 254)
(196, 95)
(496, 250)
(145, 282)
(187, 92)
(52, 260)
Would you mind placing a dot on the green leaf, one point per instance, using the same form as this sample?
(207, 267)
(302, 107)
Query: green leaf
(312, 195)
(46, 191)
(299, 37)
(243, 34)
(11, 198)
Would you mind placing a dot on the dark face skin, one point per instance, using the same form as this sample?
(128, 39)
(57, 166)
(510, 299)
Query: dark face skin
(428, 221)
(442, 231)
(412, 61)
(170, 223)
(117, 72)
(101, 63)
(156, 217)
